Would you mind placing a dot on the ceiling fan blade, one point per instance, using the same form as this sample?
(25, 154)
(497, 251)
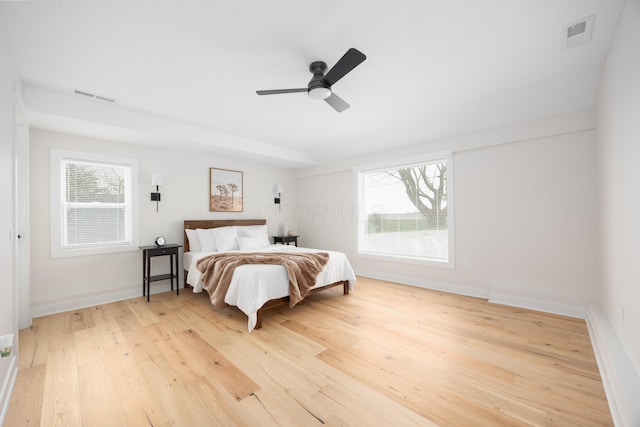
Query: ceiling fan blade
(279, 91)
(337, 103)
(348, 62)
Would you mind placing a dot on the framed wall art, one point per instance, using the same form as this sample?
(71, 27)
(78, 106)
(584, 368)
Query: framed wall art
(225, 190)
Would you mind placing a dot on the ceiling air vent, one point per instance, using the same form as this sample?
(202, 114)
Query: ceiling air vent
(104, 98)
(579, 32)
(82, 92)
(93, 95)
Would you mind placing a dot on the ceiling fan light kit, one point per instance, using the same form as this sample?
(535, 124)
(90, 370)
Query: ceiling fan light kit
(320, 85)
(319, 93)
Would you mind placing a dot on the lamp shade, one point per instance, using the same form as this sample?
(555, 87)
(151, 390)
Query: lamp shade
(156, 180)
(278, 189)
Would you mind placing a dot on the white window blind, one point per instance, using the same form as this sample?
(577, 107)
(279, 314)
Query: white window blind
(94, 209)
(95, 204)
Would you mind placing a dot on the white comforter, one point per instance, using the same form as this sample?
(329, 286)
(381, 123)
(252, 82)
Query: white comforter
(253, 285)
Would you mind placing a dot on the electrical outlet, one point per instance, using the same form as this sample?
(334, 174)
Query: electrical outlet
(6, 345)
(465, 263)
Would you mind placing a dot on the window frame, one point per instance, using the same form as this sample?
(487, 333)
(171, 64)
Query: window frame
(57, 204)
(447, 156)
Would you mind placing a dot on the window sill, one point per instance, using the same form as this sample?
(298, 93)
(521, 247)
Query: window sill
(407, 260)
(64, 253)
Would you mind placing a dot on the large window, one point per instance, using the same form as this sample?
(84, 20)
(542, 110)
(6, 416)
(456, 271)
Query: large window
(406, 211)
(93, 204)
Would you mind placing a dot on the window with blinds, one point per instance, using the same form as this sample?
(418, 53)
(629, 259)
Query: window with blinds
(95, 209)
(406, 211)
(95, 204)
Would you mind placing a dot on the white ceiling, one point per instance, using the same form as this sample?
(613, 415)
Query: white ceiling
(185, 72)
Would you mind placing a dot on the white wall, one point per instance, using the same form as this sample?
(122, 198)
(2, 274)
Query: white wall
(8, 314)
(65, 283)
(618, 113)
(525, 215)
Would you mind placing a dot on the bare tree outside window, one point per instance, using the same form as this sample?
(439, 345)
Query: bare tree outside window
(426, 187)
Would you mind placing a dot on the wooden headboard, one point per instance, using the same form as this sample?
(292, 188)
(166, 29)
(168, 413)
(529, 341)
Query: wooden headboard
(214, 223)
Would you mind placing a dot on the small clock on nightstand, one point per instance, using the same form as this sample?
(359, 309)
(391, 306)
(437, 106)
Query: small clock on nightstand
(160, 241)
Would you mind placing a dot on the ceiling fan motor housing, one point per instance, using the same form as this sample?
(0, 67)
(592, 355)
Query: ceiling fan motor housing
(318, 87)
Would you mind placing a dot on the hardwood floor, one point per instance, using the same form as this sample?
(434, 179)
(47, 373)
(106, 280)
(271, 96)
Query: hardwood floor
(387, 354)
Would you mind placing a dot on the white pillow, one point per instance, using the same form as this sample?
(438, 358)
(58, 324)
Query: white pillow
(194, 241)
(207, 240)
(251, 230)
(248, 243)
(226, 238)
(258, 232)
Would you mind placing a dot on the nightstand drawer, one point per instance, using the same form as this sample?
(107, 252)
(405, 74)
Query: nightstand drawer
(162, 251)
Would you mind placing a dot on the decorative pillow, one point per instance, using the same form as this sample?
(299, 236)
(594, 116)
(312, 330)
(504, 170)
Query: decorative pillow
(207, 240)
(226, 238)
(258, 232)
(248, 243)
(194, 241)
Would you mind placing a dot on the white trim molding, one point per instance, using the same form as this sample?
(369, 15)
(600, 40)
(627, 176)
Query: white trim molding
(7, 387)
(621, 381)
(77, 302)
(542, 303)
(451, 288)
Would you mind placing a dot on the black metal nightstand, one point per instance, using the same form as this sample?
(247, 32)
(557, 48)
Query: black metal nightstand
(149, 252)
(285, 240)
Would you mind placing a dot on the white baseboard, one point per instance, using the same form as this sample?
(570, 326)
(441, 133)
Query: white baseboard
(7, 388)
(621, 381)
(537, 303)
(504, 298)
(427, 284)
(89, 300)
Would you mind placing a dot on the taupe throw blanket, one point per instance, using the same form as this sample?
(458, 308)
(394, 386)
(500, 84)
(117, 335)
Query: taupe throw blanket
(302, 268)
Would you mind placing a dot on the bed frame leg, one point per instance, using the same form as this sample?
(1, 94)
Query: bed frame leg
(258, 319)
(345, 286)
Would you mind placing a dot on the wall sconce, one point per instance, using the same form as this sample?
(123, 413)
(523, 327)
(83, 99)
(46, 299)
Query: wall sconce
(157, 181)
(278, 195)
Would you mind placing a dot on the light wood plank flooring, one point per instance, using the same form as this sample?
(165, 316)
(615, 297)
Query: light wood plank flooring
(387, 354)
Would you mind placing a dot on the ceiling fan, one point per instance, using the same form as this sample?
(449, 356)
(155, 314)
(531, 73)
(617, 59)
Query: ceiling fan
(320, 85)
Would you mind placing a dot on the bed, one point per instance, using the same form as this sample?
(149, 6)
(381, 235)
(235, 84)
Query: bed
(253, 288)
